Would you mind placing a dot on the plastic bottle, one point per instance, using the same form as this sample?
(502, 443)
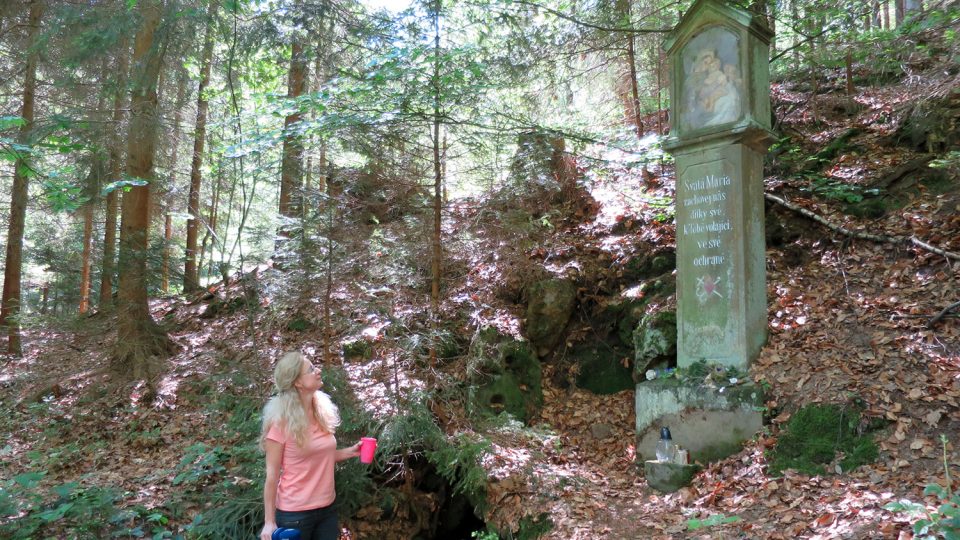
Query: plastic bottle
(285, 534)
(666, 450)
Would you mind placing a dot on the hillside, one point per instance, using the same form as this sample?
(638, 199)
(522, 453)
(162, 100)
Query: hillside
(857, 313)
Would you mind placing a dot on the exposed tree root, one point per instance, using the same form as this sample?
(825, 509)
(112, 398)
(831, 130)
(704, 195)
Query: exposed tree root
(884, 239)
(140, 354)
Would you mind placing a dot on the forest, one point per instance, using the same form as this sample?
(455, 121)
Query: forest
(465, 212)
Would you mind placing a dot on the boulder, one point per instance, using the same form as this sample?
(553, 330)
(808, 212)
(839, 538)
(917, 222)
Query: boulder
(668, 477)
(654, 340)
(504, 375)
(550, 304)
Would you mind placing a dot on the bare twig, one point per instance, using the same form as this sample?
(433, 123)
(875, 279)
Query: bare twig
(943, 314)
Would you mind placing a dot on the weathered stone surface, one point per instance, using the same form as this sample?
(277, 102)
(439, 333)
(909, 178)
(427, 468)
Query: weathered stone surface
(550, 304)
(668, 477)
(654, 339)
(720, 100)
(504, 375)
(711, 423)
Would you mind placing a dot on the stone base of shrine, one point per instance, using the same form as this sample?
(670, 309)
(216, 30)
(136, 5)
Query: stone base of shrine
(711, 423)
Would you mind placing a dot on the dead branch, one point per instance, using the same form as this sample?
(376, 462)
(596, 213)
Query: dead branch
(883, 239)
(942, 314)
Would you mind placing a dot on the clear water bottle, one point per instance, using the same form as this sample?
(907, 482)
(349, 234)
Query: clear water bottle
(666, 450)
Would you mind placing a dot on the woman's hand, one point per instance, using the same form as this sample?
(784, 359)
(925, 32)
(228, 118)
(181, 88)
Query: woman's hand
(267, 531)
(347, 452)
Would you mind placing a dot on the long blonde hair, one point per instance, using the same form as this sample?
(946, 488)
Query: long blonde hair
(285, 409)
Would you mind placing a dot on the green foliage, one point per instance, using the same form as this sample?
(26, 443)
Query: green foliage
(836, 189)
(942, 521)
(485, 535)
(199, 464)
(949, 162)
(532, 528)
(8, 122)
(819, 434)
(458, 462)
(88, 512)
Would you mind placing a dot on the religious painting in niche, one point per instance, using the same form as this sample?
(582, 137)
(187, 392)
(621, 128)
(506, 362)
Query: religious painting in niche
(712, 84)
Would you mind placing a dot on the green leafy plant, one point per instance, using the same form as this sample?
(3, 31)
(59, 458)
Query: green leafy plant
(199, 463)
(943, 521)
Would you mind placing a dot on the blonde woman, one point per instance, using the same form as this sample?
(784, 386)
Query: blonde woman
(301, 450)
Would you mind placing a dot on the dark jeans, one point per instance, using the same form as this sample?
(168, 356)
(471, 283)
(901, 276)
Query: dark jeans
(316, 524)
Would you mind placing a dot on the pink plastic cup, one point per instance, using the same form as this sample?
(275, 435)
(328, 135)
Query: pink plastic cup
(368, 445)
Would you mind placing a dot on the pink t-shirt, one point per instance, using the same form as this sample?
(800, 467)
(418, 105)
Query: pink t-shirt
(306, 474)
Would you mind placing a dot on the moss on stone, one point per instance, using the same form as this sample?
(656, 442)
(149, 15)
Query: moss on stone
(601, 369)
(818, 434)
(505, 375)
(550, 305)
(654, 338)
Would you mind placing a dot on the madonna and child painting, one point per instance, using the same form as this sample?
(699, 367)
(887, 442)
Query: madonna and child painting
(712, 85)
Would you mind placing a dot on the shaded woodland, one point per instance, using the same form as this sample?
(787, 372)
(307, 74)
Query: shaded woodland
(462, 209)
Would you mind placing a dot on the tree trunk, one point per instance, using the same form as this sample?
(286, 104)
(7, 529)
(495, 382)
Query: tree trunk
(443, 167)
(211, 228)
(291, 166)
(174, 159)
(139, 339)
(18, 199)
(167, 240)
(849, 66)
(85, 260)
(108, 265)
(191, 274)
(45, 290)
(899, 10)
(437, 190)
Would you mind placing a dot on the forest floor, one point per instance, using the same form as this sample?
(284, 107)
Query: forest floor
(847, 318)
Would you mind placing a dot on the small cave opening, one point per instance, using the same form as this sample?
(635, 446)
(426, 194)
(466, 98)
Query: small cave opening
(454, 517)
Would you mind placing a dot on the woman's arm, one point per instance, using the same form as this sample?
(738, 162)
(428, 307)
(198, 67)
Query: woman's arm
(274, 453)
(347, 453)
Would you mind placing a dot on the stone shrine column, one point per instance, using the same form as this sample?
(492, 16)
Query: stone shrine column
(720, 131)
(720, 109)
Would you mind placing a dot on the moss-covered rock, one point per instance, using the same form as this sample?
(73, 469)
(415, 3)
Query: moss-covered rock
(821, 434)
(601, 368)
(504, 375)
(648, 265)
(623, 314)
(550, 304)
(654, 340)
(359, 348)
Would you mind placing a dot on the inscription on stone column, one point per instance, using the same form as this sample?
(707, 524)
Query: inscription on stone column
(704, 229)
